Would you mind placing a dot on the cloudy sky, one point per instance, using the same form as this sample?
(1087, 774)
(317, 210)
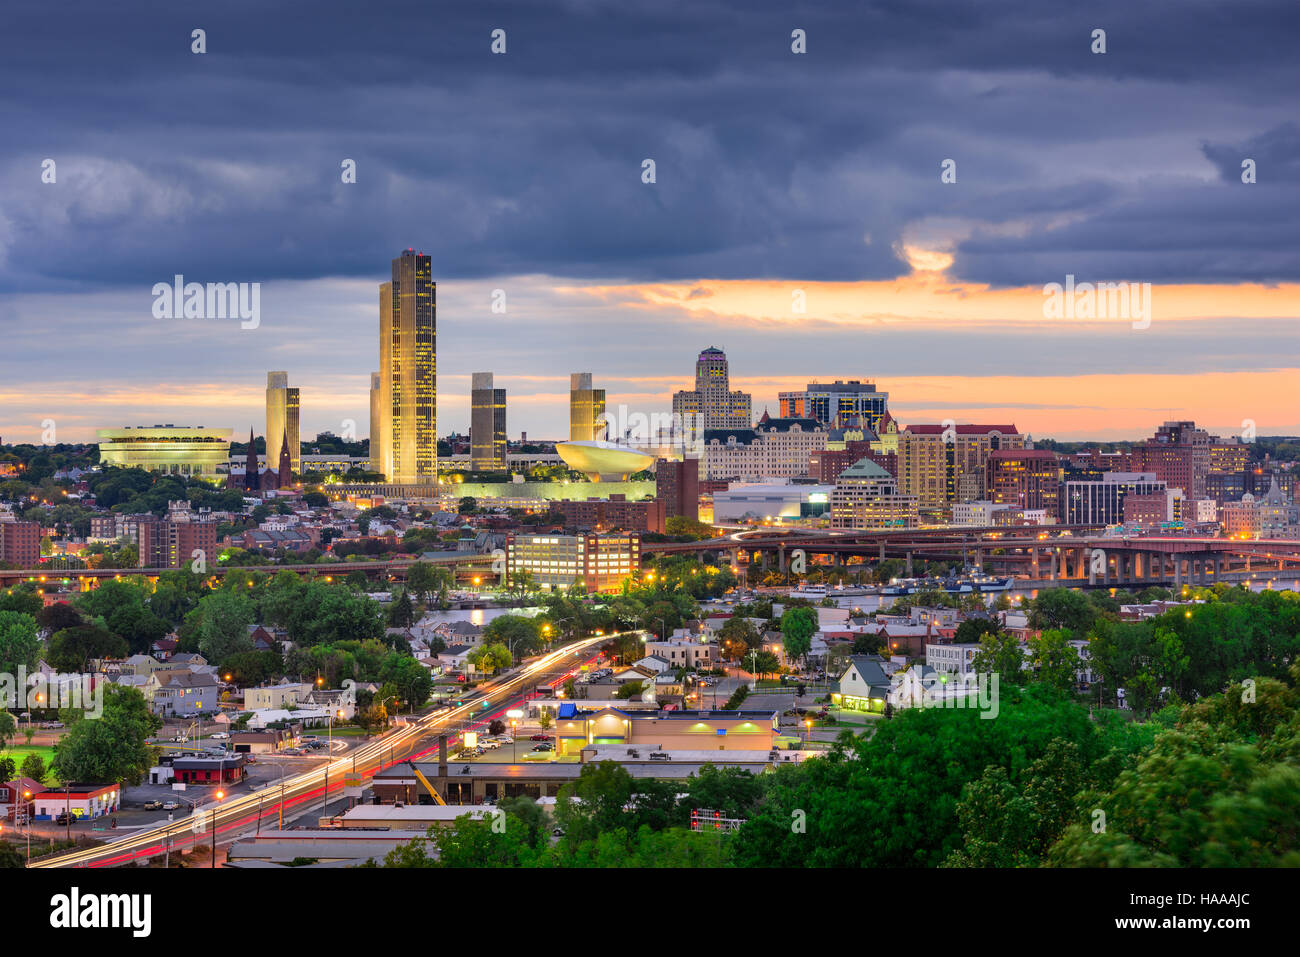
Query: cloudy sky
(779, 177)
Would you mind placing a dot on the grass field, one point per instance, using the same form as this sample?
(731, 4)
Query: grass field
(19, 753)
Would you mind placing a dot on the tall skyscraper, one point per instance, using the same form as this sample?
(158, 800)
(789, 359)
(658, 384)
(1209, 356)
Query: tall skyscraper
(713, 405)
(282, 419)
(376, 421)
(408, 369)
(586, 409)
(487, 424)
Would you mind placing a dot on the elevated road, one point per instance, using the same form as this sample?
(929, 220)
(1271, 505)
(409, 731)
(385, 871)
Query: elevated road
(239, 815)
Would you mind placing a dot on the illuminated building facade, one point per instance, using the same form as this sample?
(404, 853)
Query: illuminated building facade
(586, 409)
(282, 418)
(867, 496)
(600, 562)
(166, 448)
(1024, 478)
(941, 464)
(837, 405)
(712, 405)
(408, 446)
(487, 425)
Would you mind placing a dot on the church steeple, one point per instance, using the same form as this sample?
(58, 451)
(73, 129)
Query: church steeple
(251, 481)
(286, 473)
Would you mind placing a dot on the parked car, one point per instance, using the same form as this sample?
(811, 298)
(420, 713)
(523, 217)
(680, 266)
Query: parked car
(220, 736)
(153, 805)
(170, 805)
(540, 737)
(545, 747)
(65, 818)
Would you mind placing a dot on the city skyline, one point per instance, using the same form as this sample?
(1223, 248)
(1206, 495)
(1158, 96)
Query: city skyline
(776, 172)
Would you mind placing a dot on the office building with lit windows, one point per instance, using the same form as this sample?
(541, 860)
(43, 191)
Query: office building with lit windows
(1024, 478)
(487, 425)
(408, 446)
(837, 405)
(712, 404)
(586, 409)
(599, 562)
(941, 464)
(282, 419)
(867, 496)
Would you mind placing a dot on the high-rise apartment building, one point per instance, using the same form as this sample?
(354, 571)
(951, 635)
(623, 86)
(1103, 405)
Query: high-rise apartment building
(838, 405)
(941, 464)
(408, 448)
(174, 543)
(586, 409)
(712, 405)
(282, 419)
(487, 425)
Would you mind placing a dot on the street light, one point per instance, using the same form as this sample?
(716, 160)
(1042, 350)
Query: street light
(216, 798)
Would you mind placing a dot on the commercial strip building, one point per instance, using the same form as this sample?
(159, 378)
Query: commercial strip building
(600, 562)
(754, 730)
(209, 769)
(183, 450)
(80, 800)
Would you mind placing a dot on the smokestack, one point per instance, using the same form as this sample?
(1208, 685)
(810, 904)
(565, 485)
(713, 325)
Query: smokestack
(442, 755)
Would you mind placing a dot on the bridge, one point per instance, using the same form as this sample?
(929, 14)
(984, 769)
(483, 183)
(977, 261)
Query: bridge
(1064, 554)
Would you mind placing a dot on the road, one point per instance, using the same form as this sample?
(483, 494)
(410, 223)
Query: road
(238, 815)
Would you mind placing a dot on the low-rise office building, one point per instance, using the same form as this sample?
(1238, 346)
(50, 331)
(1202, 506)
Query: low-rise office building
(599, 562)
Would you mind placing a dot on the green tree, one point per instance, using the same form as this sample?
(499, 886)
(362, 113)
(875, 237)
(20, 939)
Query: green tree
(226, 617)
(72, 649)
(521, 634)
(1062, 608)
(999, 653)
(19, 646)
(490, 658)
(33, 767)
(797, 628)
(112, 748)
(1055, 660)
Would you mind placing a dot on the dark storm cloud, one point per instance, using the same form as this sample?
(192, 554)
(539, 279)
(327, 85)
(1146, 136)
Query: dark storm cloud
(226, 165)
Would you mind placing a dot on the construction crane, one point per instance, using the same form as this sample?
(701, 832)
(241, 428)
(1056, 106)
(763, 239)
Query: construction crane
(437, 798)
